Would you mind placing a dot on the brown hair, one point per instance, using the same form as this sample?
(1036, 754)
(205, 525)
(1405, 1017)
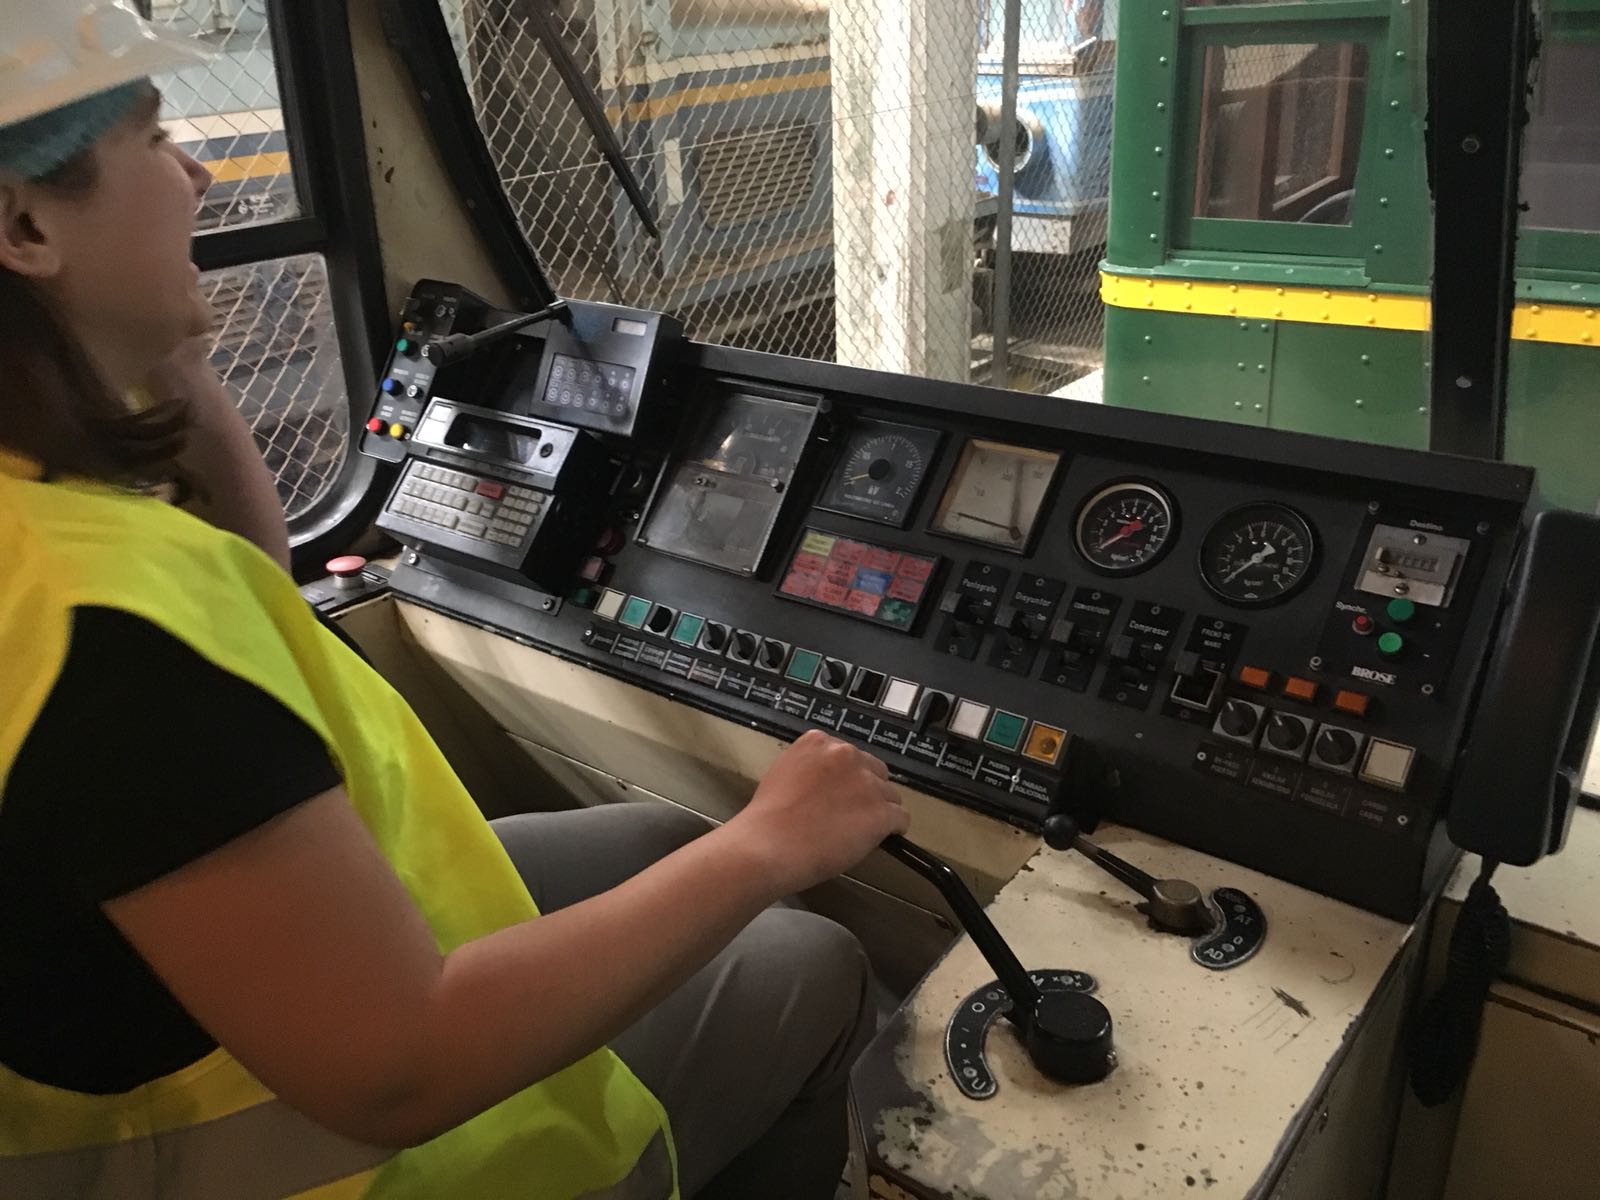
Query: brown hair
(54, 405)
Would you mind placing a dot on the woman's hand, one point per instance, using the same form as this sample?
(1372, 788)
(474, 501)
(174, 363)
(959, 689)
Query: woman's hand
(233, 488)
(820, 809)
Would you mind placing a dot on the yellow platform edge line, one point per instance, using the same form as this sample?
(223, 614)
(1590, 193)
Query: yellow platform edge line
(661, 106)
(249, 166)
(1565, 324)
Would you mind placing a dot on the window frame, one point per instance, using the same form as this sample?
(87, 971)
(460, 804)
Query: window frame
(315, 64)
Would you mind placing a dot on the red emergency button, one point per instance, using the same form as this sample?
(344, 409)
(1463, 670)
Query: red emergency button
(1354, 703)
(375, 425)
(492, 490)
(1255, 677)
(1363, 624)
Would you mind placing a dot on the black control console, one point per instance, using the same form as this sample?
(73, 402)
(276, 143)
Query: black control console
(1262, 645)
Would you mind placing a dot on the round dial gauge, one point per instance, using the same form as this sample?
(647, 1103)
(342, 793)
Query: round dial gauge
(1257, 554)
(995, 493)
(881, 472)
(1125, 527)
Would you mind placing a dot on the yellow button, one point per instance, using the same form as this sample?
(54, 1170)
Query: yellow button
(397, 430)
(1045, 743)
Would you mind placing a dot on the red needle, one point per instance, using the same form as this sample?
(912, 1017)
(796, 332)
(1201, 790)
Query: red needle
(1127, 530)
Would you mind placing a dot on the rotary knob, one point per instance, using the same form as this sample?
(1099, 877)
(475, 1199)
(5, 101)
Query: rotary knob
(834, 674)
(1238, 719)
(1336, 747)
(772, 654)
(744, 646)
(714, 637)
(1285, 733)
(1069, 1038)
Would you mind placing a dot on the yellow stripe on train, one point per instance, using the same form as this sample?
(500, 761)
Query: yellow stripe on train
(1567, 324)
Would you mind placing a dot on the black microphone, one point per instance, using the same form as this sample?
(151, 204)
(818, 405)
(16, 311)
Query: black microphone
(456, 346)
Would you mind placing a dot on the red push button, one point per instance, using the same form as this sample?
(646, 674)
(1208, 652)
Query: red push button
(1255, 677)
(1300, 689)
(375, 425)
(492, 490)
(593, 570)
(1363, 624)
(1354, 703)
(347, 564)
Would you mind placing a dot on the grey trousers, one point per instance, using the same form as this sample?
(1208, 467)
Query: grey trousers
(752, 1055)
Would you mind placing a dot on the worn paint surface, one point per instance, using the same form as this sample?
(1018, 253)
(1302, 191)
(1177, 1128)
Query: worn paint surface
(1213, 1067)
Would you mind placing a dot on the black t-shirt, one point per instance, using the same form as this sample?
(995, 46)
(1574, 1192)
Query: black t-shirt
(144, 758)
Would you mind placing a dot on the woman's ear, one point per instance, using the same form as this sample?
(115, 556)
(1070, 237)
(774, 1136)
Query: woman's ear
(25, 246)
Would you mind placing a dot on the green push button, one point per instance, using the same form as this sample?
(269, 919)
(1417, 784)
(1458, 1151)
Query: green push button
(687, 631)
(1006, 730)
(584, 597)
(803, 666)
(635, 611)
(1400, 611)
(1391, 644)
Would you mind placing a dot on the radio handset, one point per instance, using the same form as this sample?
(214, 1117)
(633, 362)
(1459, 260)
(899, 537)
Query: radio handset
(1519, 775)
(454, 347)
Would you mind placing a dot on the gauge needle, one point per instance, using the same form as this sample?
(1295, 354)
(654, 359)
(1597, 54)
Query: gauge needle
(1012, 530)
(1255, 560)
(1128, 530)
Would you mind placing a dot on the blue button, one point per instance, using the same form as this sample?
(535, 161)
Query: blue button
(391, 386)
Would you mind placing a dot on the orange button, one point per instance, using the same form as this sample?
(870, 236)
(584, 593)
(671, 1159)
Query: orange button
(1255, 677)
(1045, 743)
(1300, 689)
(1354, 703)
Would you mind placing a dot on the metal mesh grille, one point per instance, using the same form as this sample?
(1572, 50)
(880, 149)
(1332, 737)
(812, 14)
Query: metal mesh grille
(814, 169)
(227, 113)
(278, 354)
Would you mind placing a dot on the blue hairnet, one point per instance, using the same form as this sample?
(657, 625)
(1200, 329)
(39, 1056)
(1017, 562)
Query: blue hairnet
(37, 146)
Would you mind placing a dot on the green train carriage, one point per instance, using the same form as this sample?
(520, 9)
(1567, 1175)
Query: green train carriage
(1268, 259)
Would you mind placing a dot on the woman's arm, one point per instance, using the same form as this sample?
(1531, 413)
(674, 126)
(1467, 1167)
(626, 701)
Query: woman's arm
(233, 488)
(299, 950)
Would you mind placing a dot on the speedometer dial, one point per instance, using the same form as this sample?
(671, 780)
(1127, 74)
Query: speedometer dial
(881, 472)
(1258, 554)
(1125, 527)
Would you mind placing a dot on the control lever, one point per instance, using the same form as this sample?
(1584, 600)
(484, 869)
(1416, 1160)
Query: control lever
(1175, 905)
(1227, 927)
(1067, 1033)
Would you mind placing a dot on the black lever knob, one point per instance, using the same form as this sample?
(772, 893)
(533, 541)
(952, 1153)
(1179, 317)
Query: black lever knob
(1175, 905)
(1069, 1038)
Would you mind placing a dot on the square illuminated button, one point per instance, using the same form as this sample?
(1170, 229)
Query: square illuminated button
(899, 696)
(611, 602)
(688, 629)
(1006, 730)
(1045, 744)
(635, 611)
(969, 720)
(803, 666)
(1388, 764)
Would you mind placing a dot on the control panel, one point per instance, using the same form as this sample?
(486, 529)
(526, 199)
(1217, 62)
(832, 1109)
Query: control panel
(1256, 644)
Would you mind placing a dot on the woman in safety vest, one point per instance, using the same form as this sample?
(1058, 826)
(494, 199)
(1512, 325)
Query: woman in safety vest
(255, 938)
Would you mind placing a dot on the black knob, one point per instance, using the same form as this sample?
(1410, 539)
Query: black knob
(1336, 747)
(715, 637)
(772, 654)
(1033, 625)
(932, 709)
(1238, 719)
(1121, 648)
(1069, 1038)
(1285, 733)
(1060, 829)
(834, 674)
(660, 620)
(744, 645)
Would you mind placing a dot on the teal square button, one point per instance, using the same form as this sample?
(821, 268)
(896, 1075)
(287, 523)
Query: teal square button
(687, 631)
(1006, 730)
(635, 611)
(803, 666)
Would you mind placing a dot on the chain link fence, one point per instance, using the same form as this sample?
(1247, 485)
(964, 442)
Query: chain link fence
(824, 174)
(275, 344)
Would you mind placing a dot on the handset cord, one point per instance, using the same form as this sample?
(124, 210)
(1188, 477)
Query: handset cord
(1445, 1038)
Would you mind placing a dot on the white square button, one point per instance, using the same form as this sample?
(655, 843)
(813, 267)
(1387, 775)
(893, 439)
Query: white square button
(899, 696)
(610, 604)
(1388, 764)
(969, 720)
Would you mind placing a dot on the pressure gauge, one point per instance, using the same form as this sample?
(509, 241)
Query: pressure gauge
(1258, 554)
(881, 472)
(995, 494)
(1125, 527)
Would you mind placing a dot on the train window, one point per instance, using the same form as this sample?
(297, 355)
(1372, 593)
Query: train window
(1280, 132)
(1561, 148)
(277, 214)
(228, 115)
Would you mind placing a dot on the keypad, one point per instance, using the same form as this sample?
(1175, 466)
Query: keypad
(469, 504)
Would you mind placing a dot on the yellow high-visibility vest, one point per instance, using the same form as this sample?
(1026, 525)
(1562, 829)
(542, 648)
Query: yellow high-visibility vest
(213, 1130)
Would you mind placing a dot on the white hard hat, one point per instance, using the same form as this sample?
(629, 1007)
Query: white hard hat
(53, 52)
